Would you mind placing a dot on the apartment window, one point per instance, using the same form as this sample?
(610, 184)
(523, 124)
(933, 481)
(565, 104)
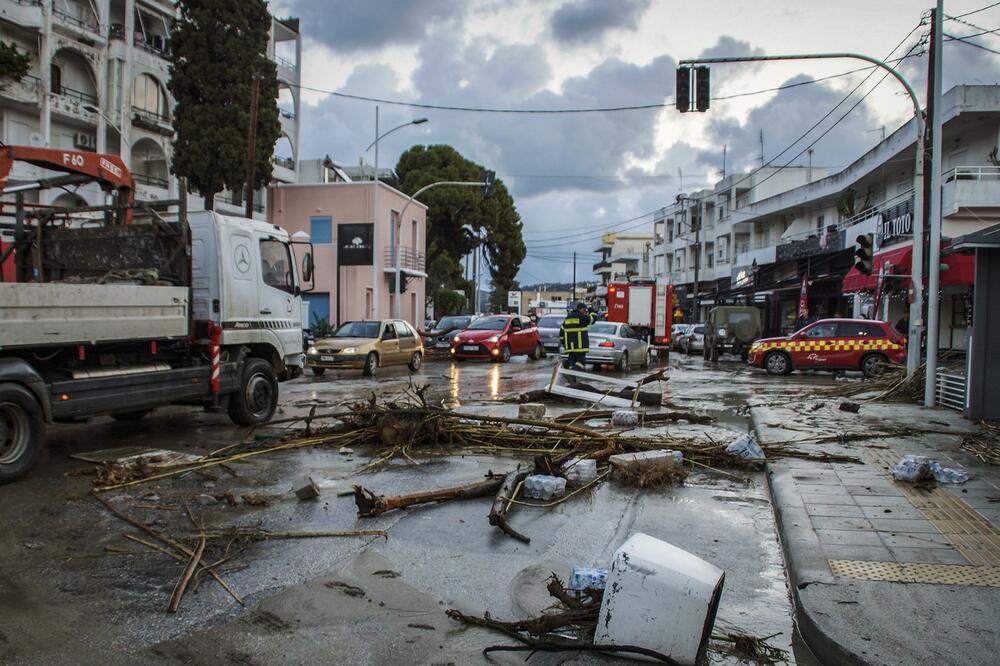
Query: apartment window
(55, 74)
(819, 223)
(148, 96)
(321, 230)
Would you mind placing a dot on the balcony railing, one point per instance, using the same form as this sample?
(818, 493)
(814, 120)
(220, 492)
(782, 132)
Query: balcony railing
(116, 31)
(232, 201)
(156, 44)
(152, 181)
(76, 95)
(409, 259)
(287, 64)
(89, 23)
(973, 173)
(602, 265)
(151, 116)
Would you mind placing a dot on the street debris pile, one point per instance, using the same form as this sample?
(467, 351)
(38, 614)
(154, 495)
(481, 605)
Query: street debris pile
(657, 603)
(916, 469)
(984, 444)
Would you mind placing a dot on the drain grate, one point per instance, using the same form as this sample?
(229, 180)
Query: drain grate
(933, 574)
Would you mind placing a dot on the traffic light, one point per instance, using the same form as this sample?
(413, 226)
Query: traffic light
(863, 254)
(488, 183)
(682, 90)
(701, 89)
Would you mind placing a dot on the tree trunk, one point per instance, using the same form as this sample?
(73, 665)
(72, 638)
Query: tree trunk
(209, 200)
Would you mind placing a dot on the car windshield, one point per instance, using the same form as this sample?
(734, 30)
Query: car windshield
(453, 322)
(603, 329)
(489, 324)
(358, 329)
(699, 330)
(734, 317)
(550, 322)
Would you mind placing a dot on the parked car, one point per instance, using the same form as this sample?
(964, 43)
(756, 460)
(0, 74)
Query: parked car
(498, 337)
(367, 345)
(832, 344)
(732, 329)
(447, 328)
(694, 339)
(677, 331)
(548, 331)
(617, 344)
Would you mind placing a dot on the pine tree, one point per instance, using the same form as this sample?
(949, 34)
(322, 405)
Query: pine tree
(218, 47)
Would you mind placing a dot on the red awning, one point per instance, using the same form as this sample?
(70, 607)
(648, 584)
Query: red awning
(961, 269)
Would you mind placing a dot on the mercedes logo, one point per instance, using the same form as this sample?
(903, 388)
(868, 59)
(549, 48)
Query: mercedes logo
(242, 256)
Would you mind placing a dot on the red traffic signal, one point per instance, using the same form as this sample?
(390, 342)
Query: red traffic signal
(864, 253)
(682, 89)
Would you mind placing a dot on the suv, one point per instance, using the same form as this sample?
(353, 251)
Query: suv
(832, 344)
(731, 328)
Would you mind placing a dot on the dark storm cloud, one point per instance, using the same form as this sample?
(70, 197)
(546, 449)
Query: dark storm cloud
(356, 25)
(589, 20)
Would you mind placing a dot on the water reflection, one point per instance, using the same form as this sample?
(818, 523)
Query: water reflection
(494, 379)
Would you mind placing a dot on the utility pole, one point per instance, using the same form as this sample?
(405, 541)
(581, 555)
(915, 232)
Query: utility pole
(761, 148)
(375, 244)
(251, 145)
(809, 171)
(724, 146)
(934, 216)
(696, 223)
(574, 276)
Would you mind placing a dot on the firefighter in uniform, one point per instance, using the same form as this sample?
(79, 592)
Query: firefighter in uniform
(574, 336)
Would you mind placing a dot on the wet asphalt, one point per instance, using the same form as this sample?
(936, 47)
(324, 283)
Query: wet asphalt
(73, 590)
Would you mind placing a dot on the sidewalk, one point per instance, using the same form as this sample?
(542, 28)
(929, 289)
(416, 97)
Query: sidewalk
(883, 572)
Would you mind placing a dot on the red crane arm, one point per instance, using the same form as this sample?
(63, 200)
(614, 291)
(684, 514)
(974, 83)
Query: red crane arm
(107, 170)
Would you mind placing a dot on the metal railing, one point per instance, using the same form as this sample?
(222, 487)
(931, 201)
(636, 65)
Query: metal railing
(148, 46)
(87, 24)
(116, 31)
(233, 201)
(287, 64)
(409, 258)
(78, 95)
(950, 390)
(152, 181)
(151, 116)
(973, 173)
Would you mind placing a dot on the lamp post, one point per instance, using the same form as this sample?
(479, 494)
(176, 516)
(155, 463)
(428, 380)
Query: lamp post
(121, 135)
(755, 271)
(375, 245)
(917, 307)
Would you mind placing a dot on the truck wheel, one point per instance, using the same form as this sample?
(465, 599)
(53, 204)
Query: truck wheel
(22, 432)
(257, 397)
(777, 363)
(371, 364)
(318, 371)
(131, 416)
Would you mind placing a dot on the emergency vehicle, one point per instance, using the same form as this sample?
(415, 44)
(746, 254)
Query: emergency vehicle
(647, 306)
(832, 344)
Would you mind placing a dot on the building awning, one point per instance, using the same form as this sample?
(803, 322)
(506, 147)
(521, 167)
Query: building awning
(961, 270)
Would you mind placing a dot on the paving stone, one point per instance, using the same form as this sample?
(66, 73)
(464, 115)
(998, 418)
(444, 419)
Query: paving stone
(928, 555)
(829, 498)
(840, 523)
(849, 537)
(870, 553)
(881, 489)
(907, 512)
(901, 540)
(812, 489)
(890, 501)
(903, 525)
(838, 510)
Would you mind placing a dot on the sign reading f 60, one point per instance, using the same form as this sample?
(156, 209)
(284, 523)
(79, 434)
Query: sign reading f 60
(73, 159)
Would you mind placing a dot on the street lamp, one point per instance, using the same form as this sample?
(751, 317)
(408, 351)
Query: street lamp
(94, 109)
(754, 270)
(375, 245)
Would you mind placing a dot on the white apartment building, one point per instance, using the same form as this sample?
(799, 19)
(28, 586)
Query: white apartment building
(620, 256)
(97, 82)
(753, 239)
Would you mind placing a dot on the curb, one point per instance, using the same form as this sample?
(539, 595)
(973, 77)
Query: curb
(798, 566)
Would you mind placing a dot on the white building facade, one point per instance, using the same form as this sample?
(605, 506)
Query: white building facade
(97, 82)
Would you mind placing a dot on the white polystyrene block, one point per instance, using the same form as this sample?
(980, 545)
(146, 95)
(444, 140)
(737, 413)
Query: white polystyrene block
(661, 598)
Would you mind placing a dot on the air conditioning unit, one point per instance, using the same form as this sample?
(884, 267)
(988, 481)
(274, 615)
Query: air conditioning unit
(85, 141)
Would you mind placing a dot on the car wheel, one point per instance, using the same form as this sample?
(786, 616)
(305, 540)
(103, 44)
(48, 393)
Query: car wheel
(873, 365)
(131, 416)
(22, 432)
(777, 363)
(622, 365)
(318, 371)
(415, 361)
(537, 353)
(257, 398)
(504, 354)
(371, 364)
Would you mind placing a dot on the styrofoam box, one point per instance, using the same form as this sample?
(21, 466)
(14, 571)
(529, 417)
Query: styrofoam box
(659, 597)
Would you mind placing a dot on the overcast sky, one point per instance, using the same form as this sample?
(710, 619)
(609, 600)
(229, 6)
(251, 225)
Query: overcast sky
(576, 173)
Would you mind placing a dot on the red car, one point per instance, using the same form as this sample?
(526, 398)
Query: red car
(832, 344)
(498, 337)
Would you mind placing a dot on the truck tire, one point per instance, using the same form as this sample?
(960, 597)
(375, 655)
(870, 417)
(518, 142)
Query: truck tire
(257, 398)
(131, 416)
(22, 432)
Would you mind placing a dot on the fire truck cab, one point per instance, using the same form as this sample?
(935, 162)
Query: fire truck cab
(647, 306)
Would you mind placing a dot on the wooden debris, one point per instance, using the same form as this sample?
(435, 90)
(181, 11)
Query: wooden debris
(644, 418)
(369, 504)
(182, 582)
(498, 512)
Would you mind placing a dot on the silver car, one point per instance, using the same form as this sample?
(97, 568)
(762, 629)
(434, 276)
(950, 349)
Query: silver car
(618, 345)
(548, 331)
(678, 331)
(693, 340)
(449, 327)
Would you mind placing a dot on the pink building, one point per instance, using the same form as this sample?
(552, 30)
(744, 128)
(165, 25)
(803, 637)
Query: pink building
(338, 219)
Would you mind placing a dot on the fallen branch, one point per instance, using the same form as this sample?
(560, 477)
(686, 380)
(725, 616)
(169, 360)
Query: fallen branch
(182, 582)
(369, 504)
(498, 512)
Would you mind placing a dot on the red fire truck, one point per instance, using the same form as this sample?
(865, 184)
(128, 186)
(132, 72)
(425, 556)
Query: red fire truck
(646, 305)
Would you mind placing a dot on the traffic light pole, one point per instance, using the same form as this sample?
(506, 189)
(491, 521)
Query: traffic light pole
(399, 222)
(917, 306)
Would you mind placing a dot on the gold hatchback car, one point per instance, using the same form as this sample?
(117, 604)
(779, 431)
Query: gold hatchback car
(367, 345)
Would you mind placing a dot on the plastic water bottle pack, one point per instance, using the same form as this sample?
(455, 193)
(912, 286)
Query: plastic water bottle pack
(745, 446)
(588, 578)
(542, 487)
(581, 470)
